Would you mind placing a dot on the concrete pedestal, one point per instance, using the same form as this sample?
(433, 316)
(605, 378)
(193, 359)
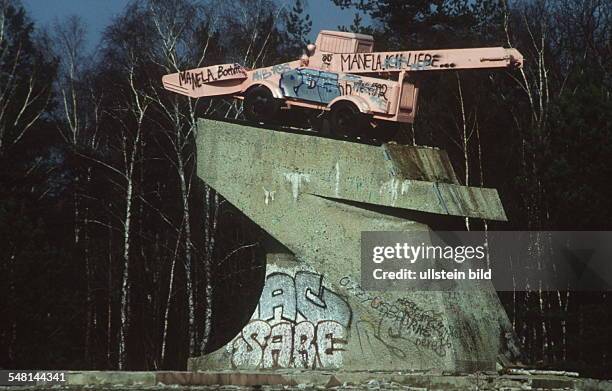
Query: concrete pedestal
(315, 196)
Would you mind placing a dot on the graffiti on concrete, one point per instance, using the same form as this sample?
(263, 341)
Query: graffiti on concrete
(263, 344)
(296, 179)
(401, 321)
(304, 295)
(299, 323)
(268, 195)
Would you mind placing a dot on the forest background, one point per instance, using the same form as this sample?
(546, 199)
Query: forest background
(115, 255)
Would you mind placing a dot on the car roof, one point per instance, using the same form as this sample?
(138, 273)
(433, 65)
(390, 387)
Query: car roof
(345, 34)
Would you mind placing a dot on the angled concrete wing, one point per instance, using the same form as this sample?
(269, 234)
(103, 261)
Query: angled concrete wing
(343, 170)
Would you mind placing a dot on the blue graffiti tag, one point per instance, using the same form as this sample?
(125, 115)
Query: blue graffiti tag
(310, 84)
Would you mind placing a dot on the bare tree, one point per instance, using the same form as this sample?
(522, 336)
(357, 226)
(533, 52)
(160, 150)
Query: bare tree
(69, 46)
(130, 115)
(131, 140)
(251, 35)
(465, 139)
(25, 91)
(69, 38)
(176, 26)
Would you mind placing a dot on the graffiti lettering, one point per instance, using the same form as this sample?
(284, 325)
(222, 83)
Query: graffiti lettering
(265, 73)
(305, 295)
(223, 71)
(323, 87)
(372, 89)
(299, 324)
(288, 345)
(310, 84)
(403, 320)
(197, 78)
(377, 62)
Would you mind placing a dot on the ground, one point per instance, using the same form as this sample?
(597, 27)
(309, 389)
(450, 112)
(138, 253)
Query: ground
(317, 380)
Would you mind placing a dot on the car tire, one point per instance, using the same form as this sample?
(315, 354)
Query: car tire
(260, 105)
(346, 119)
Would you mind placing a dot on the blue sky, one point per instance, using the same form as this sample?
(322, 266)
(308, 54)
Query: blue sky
(98, 13)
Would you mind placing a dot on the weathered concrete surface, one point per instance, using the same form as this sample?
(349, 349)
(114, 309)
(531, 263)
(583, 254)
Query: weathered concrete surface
(316, 196)
(324, 167)
(310, 380)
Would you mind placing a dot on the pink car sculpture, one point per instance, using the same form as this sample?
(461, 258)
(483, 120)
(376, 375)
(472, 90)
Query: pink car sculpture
(339, 76)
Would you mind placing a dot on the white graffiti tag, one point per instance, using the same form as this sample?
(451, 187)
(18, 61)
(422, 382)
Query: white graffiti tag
(299, 324)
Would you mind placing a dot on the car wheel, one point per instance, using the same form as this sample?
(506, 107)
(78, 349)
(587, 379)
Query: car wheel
(347, 120)
(260, 105)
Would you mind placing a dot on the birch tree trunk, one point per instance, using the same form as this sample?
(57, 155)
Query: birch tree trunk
(131, 150)
(69, 46)
(175, 24)
(210, 230)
